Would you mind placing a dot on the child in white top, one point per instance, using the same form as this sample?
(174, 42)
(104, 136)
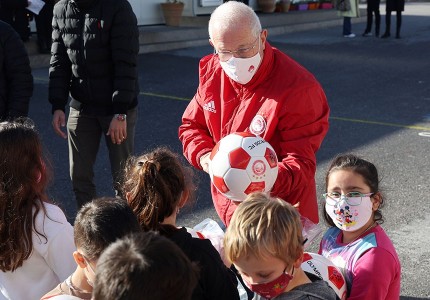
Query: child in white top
(36, 241)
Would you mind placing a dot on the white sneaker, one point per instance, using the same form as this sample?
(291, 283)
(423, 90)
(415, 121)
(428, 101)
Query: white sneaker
(351, 35)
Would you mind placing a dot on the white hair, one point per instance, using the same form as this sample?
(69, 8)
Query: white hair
(232, 14)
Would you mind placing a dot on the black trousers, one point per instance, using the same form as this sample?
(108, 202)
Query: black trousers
(44, 28)
(373, 9)
(398, 22)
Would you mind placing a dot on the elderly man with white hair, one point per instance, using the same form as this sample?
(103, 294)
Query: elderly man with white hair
(248, 85)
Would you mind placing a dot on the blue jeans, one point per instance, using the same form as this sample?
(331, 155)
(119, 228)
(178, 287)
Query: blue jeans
(346, 25)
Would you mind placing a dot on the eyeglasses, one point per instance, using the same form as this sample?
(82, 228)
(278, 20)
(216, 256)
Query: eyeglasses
(352, 198)
(225, 55)
(89, 265)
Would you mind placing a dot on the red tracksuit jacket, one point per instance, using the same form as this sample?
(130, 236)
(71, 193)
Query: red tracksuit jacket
(283, 103)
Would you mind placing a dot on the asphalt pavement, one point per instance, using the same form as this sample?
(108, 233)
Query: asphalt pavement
(379, 94)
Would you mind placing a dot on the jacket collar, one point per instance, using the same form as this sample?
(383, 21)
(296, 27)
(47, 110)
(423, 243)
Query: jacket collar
(82, 4)
(264, 68)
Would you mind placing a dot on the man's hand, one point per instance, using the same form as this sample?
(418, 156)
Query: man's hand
(204, 162)
(117, 131)
(58, 121)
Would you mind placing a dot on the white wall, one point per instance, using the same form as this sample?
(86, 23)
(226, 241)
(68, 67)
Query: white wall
(148, 12)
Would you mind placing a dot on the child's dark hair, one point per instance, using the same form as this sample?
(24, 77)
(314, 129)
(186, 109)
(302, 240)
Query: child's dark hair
(24, 175)
(366, 169)
(100, 223)
(144, 265)
(154, 183)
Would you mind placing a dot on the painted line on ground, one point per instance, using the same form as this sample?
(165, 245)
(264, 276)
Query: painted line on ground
(35, 78)
(141, 93)
(164, 96)
(414, 127)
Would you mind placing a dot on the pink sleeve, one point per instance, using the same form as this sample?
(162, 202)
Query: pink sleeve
(372, 275)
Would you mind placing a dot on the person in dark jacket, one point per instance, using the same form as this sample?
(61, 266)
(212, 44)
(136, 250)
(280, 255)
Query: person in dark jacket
(16, 81)
(156, 186)
(94, 58)
(14, 13)
(393, 5)
(44, 26)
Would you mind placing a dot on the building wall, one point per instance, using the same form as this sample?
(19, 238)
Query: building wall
(148, 12)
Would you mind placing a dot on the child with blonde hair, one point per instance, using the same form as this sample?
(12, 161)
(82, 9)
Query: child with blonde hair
(264, 242)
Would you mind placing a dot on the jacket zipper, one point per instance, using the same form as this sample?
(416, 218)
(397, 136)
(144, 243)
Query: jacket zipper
(84, 62)
(234, 114)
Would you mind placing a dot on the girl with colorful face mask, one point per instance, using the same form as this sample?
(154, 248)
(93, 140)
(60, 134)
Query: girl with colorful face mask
(356, 242)
(264, 242)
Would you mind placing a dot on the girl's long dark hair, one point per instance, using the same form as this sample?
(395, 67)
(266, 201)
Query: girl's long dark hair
(23, 178)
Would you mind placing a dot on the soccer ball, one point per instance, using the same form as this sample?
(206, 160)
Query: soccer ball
(326, 270)
(242, 163)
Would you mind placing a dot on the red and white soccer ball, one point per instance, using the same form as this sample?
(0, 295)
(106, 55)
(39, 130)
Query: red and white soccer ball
(242, 163)
(323, 268)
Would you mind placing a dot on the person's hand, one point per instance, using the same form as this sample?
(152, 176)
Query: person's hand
(117, 131)
(204, 162)
(58, 121)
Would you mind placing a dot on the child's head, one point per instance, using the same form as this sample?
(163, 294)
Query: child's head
(156, 185)
(23, 179)
(264, 239)
(23, 169)
(144, 265)
(98, 224)
(352, 193)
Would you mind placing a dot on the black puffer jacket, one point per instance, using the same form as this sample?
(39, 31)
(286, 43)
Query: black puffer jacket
(16, 81)
(395, 5)
(94, 56)
(14, 13)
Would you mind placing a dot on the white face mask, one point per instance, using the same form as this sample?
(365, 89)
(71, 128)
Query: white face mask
(350, 217)
(242, 70)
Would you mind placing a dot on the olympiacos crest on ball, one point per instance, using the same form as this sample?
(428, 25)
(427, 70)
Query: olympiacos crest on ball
(258, 167)
(242, 163)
